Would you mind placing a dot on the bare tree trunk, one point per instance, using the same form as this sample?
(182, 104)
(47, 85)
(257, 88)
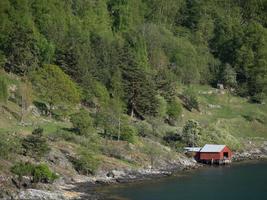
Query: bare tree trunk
(132, 113)
(119, 132)
(21, 115)
(50, 110)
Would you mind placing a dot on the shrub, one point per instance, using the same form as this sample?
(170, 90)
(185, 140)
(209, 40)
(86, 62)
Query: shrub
(174, 111)
(82, 122)
(42, 173)
(191, 132)
(143, 128)
(229, 76)
(22, 169)
(159, 128)
(172, 137)
(9, 144)
(87, 163)
(217, 135)
(254, 116)
(153, 150)
(61, 91)
(42, 108)
(117, 150)
(190, 99)
(258, 98)
(128, 133)
(67, 135)
(35, 145)
(38, 173)
(162, 106)
(3, 90)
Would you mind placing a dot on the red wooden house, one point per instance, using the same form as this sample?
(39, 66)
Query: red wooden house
(212, 153)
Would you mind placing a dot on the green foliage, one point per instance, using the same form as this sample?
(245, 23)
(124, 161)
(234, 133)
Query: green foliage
(115, 125)
(140, 92)
(153, 150)
(91, 142)
(63, 90)
(258, 98)
(120, 58)
(95, 93)
(3, 90)
(229, 76)
(128, 133)
(166, 84)
(82, 122)
(186, 68)
(162, 107)
(190, 99)
(39, 173)
(174, 110)
(10, 144)
(215, 135)
(172, 138)
(35, 145)
(22, 169)
(87, 163)
(111, 118)
(191, 131)
(143, 128)
(96, 42)
(42, 173)
(25, 96)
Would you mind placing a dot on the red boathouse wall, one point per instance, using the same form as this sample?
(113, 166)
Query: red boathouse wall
(216, 155)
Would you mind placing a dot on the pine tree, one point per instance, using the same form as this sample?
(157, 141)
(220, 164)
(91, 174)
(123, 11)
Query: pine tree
(140, 92)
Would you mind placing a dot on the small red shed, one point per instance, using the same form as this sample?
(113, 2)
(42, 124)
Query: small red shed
(212, 153)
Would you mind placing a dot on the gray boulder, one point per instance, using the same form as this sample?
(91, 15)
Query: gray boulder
(33, 194)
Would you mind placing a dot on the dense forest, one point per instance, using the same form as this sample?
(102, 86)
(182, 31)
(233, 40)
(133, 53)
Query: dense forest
(114, 67)
(136, 50)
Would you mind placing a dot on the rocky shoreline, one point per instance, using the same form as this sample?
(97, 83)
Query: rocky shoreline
(83, 187)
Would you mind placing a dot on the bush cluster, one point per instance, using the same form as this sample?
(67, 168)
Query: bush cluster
(9, 144)
(190, 99)
(38, 173)
(82, 122)
(87, 162)
(35, 145)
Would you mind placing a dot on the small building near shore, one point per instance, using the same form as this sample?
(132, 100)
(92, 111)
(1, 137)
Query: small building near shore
(193, 152)
(211, 153)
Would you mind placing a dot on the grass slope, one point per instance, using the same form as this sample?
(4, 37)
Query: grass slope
(232, 113)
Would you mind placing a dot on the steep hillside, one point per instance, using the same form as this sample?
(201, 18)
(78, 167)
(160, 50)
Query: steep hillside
(223, 118)
(90, 86)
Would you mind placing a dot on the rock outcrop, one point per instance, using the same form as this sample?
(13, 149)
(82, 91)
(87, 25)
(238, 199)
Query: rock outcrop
(33, 194)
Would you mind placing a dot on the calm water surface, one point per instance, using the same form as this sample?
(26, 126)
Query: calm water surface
(246, 181)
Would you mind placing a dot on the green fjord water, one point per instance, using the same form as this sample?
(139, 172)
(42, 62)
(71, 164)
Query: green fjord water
(246, 181)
